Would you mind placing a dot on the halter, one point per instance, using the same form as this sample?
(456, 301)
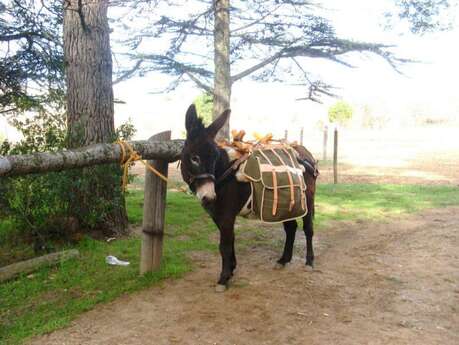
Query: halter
(233, 167)
(193, 178)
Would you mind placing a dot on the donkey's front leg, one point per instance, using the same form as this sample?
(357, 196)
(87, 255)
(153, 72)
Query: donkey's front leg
(227, 253)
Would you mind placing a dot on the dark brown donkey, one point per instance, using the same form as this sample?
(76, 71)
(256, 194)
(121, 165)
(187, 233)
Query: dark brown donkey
(207, 169)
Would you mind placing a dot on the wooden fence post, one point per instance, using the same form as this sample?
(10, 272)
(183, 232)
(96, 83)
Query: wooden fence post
(324, 150)
(154, 210)
(301, 136)
(335, 157)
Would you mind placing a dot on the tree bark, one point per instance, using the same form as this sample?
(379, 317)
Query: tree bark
(88, 64)
(222, 79)
(90, 110)
(18, 165)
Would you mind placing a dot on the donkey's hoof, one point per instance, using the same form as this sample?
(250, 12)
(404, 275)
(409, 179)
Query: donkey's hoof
(220, 288)
(279, 266)
(309, 268)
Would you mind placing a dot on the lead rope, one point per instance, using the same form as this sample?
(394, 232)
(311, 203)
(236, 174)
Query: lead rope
(129, 155)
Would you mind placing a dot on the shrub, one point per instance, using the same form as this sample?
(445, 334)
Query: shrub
(204, 104)
(41, 205)
(340, 112)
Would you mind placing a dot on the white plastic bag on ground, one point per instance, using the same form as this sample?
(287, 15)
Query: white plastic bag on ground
(113, 260)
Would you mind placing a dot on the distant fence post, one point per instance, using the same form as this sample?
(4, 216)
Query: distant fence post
(335, 157)
(301, 136)
(324, 149)
(154, 210)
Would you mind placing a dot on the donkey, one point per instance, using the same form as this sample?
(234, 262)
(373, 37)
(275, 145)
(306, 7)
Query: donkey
(206, 168)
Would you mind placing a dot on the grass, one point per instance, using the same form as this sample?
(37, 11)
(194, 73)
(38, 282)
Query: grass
(371, 201)
(51, 297)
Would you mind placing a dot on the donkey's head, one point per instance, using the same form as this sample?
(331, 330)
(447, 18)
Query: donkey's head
(200, 154)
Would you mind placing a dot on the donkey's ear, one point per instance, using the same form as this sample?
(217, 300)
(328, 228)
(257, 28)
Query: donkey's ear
(215, 126)
(191, 118)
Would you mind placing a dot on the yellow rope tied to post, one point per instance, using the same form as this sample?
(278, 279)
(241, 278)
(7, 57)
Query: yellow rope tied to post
(129, 155)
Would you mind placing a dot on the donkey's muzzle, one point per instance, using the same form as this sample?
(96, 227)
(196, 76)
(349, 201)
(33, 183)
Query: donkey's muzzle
(205, 192)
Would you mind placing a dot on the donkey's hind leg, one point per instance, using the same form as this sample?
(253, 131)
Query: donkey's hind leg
(233, 260)
(290, 231)
(309, 233)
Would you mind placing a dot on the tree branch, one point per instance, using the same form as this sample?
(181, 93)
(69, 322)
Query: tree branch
(169, 65)
(315, 88)
(13, 37)
(97, 154)
(126, 74)
(256, 67)
(329, 49)
(255, 22)
(199, 83)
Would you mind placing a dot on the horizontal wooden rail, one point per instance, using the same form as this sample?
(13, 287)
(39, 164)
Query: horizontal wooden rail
(17, 165)
(8, 272)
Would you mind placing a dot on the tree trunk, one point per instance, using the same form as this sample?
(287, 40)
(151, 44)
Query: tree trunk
(222, 79)
(90, 119)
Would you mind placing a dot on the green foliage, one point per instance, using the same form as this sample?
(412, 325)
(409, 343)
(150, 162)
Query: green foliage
(340, 112)
(45, 131)
(125, 131)
(50, 206)
(21, 197)
(32, 63)
(76, 286)
(204, 104)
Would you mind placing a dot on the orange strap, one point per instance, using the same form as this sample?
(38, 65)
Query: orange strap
(302, 182)
(276, 192)
(290, 180)
(276, 196)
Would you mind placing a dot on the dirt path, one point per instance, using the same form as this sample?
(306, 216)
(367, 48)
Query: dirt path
(374, 283)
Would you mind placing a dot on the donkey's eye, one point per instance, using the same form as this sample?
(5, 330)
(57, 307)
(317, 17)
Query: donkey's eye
(195, 160)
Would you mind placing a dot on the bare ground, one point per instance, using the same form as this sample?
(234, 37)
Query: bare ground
(374, 283)
(439, 168)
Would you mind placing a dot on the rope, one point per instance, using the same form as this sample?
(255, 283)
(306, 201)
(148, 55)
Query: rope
(129, 155)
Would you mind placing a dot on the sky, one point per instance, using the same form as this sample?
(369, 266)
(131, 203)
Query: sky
(428, 86)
